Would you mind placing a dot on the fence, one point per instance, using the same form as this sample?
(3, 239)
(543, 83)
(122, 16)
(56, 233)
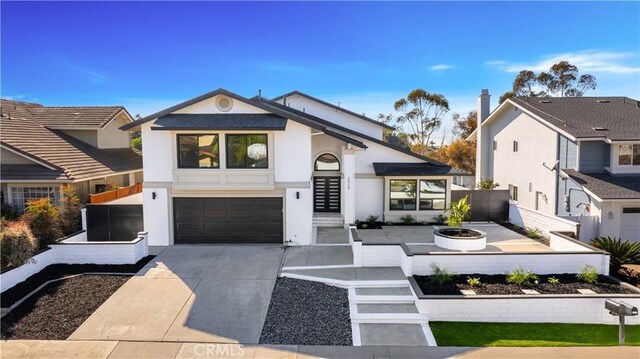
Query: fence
(486, 205)
(115, 194)
(113, 222)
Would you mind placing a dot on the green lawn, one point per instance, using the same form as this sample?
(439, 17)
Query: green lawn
(463, 334)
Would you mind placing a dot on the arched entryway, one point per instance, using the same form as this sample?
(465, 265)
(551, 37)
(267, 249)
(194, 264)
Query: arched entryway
(326, 183)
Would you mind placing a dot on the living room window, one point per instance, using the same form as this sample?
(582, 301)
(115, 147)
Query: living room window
(402, 195)
(629, 155)
(247, 151)
(198, 151)
(21, 195)
(433, 194)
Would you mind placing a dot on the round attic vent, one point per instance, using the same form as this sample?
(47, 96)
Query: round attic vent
(224, 103)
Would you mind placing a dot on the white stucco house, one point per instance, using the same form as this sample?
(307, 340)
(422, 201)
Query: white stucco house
(566, 157)
(222, 168)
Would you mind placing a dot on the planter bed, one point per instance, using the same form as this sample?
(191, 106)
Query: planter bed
(58, 309)
(497, 285)
(56, 271)
(307, 313)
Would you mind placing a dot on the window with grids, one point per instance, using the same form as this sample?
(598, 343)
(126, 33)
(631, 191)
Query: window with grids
(629, 155)
(20, 196)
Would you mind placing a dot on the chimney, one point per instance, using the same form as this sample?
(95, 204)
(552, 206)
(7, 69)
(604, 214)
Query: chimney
(484, 105)
(482, 141)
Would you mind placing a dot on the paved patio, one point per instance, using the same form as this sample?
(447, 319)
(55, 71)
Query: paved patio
(420, 238)
(191, 294)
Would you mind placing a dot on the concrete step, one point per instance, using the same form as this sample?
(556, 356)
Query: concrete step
(390, 318)
(390, 295)
(390, 291)
(391, 334)
(352, 277)
(364, 308)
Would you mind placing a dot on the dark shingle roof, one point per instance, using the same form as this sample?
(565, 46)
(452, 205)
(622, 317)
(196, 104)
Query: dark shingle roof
(221, 121)
(579, 116)
(413, 169)
(62, 117)
(607, 186)
(34, 172)
(77, 159)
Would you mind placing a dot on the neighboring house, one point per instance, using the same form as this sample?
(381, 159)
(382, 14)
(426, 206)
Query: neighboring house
(565, 157)
(222, 168)
(44, 148)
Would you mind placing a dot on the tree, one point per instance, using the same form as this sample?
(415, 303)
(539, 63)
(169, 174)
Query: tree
(422, 112)
(463, 126)
(460, 154)
(395, 137)
(42, 217)
(487, 183)
(562, 80)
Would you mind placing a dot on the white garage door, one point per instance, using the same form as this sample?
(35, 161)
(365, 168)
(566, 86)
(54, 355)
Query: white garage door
(630, 224)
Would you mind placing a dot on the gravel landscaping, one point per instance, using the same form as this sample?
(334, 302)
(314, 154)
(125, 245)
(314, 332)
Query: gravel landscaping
(59, 308)
(497, 285)
(307, 313)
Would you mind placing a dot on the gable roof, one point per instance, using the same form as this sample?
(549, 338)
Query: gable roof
(413, 169)
(59, 152)
(360, 116)
(607, 186)
(220, 121)
(65, 117)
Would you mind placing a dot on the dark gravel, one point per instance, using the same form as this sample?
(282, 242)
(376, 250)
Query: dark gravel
(56, 271)
(307, 313)
(59, 308)
(497, 285)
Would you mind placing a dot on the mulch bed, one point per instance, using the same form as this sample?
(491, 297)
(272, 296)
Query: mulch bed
(56, 271)
(497, 285)
(59, 308)
(307, 313)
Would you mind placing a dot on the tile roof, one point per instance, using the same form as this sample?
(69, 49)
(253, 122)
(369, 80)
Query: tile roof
(607, 186)
(77, 159)
(62, 117)
(221, 121)
(581, 116)
(34, 172)
(413, 169)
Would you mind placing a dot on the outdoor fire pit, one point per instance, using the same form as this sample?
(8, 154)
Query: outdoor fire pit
(460, 240)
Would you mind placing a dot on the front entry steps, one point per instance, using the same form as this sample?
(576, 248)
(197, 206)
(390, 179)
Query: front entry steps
(328, 219)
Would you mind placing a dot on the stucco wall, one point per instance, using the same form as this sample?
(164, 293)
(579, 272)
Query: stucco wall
(8, 157)
(369, 197)
(292, 153)
(111, 136)
(86, 136)
(611, 215)
(209, 106)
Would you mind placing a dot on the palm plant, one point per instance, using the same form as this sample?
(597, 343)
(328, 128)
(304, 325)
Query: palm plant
(458, 212)
(622, 252)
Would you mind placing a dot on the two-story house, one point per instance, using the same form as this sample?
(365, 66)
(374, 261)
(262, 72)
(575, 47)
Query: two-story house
(566, 157)
(44, 148)
(222, 168)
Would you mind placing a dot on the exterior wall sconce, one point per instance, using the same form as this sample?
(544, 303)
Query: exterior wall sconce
(297, 195)
(153, 195)
(610, 215)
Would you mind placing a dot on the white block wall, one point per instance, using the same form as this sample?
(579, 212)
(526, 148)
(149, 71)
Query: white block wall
(381, 256)
(552, 309)
(561, 244)
(11, 278)
(526, 217)
(299, 215)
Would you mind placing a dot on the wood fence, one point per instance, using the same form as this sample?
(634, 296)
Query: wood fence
(115, 194)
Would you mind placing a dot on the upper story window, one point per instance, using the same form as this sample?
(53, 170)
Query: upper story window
(629, 155)
(327, 162)
(247, 151)
(198, 151)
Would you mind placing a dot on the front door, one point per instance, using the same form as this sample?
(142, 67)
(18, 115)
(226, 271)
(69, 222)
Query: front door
(326, 194)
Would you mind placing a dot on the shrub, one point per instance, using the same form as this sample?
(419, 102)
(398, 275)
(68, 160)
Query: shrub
(588, 274)
(440, 219)
(533, 232)
(458, 212)
(441, 276)
(42, 217)
(137, 143)
(622, 252)
(487, 183)
(9, 212)
(553, 281)
(408, 219)
(522, 277)
(371, 220)
(17, 244)
(475, 281)
(70, 211)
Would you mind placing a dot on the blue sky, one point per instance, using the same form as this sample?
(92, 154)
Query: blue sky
(150, 55)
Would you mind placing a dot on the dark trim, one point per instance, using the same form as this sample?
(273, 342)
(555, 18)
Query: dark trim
(216, 129)
(363, 117)
(415, 195)
(354, 234)
(344, 138)
(226, 149)
(195, 134)
(87, 243)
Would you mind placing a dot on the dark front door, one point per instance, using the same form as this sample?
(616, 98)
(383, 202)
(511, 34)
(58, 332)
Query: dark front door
(228, 220)
(326, 194)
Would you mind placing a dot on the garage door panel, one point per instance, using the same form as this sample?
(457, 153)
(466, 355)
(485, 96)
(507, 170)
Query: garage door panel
(228, 220)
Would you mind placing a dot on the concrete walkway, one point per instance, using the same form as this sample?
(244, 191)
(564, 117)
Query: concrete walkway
(191, 294)
(36, 349)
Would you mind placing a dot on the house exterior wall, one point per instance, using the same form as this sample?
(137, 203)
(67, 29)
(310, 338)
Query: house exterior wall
(614, 167)
(611, 218)
(8, 157)
(336, 116)
(111, 136)
(87, 136)
(594, 156)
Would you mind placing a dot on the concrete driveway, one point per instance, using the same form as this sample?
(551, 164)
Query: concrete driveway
(191, 293)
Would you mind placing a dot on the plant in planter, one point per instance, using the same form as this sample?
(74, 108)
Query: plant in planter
(622, 252)
(371, 220)
(441, 276)
(533, 232)
(408, 219)
(458, 213)
(522, 277)
(588, 274)
(458, 238)
(473, 282)
(553, 281)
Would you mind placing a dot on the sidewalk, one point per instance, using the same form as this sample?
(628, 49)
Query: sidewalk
(159, 350)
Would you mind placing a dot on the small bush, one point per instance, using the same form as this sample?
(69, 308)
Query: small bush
(17, 244)
(459, 212)
(622, 252)
(553, 281)
(408, 219)
(441, 276)
(474, 282)
(70, 211)
(9, 212)
(522, 277)
(487, 183)
(588, 274)
(440, 219)
(137, 143)
(371, 220)
(42, 217)
(533, 232)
